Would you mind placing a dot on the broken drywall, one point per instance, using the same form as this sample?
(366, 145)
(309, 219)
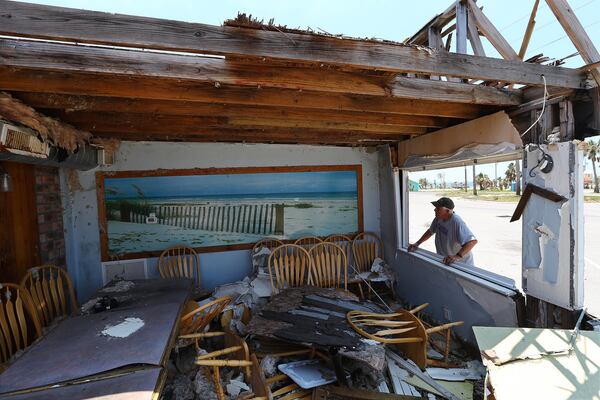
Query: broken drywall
(552, 257)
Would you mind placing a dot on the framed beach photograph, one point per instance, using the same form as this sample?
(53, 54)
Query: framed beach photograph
(141, 213)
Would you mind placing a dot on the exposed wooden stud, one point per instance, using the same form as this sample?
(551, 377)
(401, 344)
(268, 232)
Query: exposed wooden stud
(567, 120)
(435, 42)
(461, 27)
(218, 74)
(582, 42)
(440, 20)
(473, 34)
(71, 103)
(528, 30)
(128, 122)
(492, 34)
(448, 43)
(32, 20)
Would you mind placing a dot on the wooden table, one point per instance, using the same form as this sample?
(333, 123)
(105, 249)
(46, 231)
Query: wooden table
(77, 351)
(316, 317)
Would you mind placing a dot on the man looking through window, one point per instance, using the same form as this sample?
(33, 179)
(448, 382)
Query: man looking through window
(453, 238)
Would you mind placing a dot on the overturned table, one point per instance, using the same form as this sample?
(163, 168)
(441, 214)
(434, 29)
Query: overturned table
(119, 352)
(316, 317)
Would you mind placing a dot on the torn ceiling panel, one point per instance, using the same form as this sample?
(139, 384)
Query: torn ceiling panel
(540, 363)
(57, 132)
(492, 136)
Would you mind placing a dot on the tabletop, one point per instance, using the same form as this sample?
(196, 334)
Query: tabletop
(316, 317)
(139, 331)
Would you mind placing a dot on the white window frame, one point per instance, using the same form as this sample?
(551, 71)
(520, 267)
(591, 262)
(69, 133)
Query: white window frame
(478, 275)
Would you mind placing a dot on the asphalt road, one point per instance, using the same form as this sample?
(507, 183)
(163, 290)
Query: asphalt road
(499, 241)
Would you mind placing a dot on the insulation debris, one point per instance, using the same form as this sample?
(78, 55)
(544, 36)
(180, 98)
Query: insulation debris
(57, 132)
(117, 287)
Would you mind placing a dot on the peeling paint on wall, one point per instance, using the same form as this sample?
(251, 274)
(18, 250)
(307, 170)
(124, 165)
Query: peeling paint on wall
(550, 229)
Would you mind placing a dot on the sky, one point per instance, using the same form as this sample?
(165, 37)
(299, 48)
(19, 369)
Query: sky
(385, 19)
(232, 184)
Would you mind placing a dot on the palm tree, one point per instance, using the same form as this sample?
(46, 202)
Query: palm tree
(482, 180)
(593, 153)
(511, 173)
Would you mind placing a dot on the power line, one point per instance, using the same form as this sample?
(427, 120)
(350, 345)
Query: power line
(563, 37)
(552, 20)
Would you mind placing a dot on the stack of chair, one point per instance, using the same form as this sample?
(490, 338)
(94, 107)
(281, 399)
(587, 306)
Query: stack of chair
(51, 291)
(19, 322)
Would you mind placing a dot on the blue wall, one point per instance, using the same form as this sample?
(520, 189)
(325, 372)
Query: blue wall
(81, 212)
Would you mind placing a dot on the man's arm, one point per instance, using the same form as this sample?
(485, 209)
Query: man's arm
(416, 245)
(467, 247)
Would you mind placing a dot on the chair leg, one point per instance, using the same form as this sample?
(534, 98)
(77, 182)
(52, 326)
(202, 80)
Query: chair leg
(217, 381)
(360, 289)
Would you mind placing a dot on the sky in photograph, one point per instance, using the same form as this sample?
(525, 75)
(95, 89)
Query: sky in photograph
(384, 19)
(232, 184)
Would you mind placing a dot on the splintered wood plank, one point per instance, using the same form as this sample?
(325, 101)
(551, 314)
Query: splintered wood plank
(217, 72)
(29, 20)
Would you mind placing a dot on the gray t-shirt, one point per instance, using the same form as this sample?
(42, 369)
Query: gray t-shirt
(451, 236)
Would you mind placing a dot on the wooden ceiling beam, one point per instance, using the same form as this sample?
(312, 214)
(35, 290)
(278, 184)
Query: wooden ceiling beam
(71, 103)
(46, 22)
(129, 87)
(216, 72)
(257, 136)
(128, 122)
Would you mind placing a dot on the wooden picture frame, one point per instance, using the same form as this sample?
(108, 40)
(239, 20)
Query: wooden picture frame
(235, 217)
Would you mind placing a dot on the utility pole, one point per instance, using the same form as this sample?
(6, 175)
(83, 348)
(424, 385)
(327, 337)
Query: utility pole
(474, 183)
(495, 174)
(466, 183)
(518, 180)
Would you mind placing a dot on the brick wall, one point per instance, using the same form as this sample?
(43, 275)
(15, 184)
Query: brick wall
(49, 209)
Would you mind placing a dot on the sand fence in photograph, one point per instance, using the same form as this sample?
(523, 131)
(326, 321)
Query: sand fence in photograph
(247, 218)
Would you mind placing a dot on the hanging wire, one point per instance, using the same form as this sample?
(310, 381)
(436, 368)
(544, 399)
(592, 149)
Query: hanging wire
(543, 107)
(371, 288)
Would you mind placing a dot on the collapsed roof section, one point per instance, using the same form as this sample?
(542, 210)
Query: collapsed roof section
(137, 78)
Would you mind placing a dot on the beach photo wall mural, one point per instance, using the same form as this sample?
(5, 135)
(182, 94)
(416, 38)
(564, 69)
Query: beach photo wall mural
(144, 212)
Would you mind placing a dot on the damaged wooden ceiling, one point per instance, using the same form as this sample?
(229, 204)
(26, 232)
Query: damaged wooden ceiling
(136, 78)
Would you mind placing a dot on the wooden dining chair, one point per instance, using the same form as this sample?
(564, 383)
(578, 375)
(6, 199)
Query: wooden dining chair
(180, 262)
(269, 243)
(344, 242)
(196, 318)
(308, 241)
(236, 354)
(289, 266)
(329, 266)
(19, 322)
(366, 247)
(52, 292)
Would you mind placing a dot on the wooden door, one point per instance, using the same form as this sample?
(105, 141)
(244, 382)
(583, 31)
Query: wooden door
(19, 239)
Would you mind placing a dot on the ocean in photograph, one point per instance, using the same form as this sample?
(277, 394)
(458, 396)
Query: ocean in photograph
(138, 222)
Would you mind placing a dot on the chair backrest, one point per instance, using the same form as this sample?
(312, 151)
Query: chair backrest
(308, 241)
(198, 318)
(180, 262)
(289, 266)
(343, 241)
(329, 266)
(19, 322)
(366, 247)
(51, 291)
(269, 243)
